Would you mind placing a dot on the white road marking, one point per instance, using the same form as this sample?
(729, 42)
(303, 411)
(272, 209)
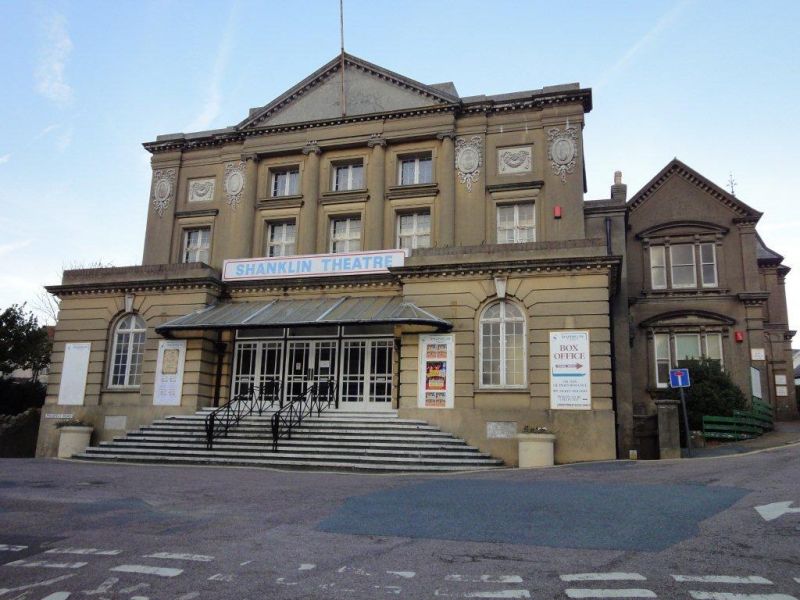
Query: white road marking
(103, 588)
(306, 567)
(93, 551)
(139, 598)
(148, 570)
(28, 586)
(247, 562)
(11, 548)
(731, 596)
(722, 579)
(221, 577)
(59, 596)
(770, 512)
(46, 564)
(189, 596)
(499, 594)
(613, 576)
(360, 572)
(617, 593)
(282, 581)
(390, 589)
(403, 574)
(485, 578)
(134, 588)
(177, 556)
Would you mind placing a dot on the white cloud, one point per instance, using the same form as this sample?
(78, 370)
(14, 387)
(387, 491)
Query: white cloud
(45, 131)
(5, 158)
(54, 54)
(13, 246)
(625, 60)
(213, 100)
(64, 140)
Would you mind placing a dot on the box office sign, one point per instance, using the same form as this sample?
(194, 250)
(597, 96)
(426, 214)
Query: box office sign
(436, 371)
(313, 265)
(570, 369)
(169, 372)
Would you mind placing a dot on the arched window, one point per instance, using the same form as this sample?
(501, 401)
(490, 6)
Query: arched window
(502, 332)
(127, 352)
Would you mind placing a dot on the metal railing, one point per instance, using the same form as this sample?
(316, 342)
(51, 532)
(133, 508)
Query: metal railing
(219, 422)
(317, 397)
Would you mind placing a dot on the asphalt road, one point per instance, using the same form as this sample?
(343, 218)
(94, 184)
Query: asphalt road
(677, 529)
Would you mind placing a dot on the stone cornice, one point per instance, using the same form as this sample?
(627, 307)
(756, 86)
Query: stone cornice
(121, 287)
(753, 298)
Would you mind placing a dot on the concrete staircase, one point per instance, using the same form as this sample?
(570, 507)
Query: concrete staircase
(335, 440)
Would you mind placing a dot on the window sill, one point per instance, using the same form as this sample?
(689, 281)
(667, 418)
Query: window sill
(120, 390)
(204, 212)
(344, 196)
(295, 201)
(412, 191)
(506, 390)
(718, 291)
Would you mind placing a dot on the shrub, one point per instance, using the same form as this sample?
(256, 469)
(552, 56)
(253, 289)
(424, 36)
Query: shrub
(16, 397)
(713, 392)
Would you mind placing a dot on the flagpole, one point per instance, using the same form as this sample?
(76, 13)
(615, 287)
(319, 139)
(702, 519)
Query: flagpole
(341, 53)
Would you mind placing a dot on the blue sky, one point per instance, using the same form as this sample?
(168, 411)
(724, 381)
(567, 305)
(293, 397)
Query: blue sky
(85, 83)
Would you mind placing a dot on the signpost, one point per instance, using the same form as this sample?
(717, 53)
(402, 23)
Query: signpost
(679, 378)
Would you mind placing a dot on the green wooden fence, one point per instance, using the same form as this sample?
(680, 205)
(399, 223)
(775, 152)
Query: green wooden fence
(744, 424)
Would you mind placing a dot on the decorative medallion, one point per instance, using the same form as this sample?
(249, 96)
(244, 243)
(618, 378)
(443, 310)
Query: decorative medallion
(234, 183)
(163, 189)
(201, 190)
(514, 160)
(563, 150)
(468, 160)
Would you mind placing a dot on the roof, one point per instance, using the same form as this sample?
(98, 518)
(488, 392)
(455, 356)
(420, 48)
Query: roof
(765, 254)
(676, 167)
(312, 311)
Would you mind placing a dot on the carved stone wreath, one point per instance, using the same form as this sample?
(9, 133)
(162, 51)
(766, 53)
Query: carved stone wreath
(201, 190)
(468, 160)
(234, 183)
(563, 150)
(514, 160)
(163, 189)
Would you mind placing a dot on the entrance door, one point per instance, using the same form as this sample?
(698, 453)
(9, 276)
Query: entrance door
(255, 364)
(307, 363)
(366, 380)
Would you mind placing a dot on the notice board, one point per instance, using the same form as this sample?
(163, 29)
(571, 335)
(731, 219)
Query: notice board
(73, 374)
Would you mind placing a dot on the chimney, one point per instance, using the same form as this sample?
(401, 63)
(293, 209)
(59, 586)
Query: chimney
(619, 191)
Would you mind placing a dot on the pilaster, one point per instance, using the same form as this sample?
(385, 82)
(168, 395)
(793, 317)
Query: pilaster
(307, 227)
(446, 178)
(373, 225)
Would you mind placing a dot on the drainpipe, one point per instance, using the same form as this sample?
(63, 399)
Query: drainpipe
(612, 341)
(220, 348)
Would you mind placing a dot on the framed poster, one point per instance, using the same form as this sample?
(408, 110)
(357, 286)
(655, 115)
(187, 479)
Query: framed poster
(436, 371)
(169, 372)
(73, 373)
(755, 383)
(570, 370)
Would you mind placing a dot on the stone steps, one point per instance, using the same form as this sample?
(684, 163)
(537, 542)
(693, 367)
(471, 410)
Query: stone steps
(334, 440)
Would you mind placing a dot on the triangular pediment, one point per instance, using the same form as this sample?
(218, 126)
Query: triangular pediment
(688, 318)
(369, 89)
(676, 168)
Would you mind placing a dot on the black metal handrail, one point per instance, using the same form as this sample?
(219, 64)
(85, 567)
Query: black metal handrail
(317, 397)
(219, 422)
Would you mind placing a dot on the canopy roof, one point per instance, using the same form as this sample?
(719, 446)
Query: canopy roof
(313, 311)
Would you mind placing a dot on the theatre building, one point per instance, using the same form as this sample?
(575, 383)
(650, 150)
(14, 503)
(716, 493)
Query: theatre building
(420, 255)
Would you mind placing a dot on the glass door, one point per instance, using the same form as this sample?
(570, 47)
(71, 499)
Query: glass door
(366, 378)
(307, 363)
(255, 364)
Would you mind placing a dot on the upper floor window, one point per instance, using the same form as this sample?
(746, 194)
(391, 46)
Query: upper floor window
(348, 176)
(285, 182)
(516, 223)
(127, 352)
(345, 234)
(673, 350)
(196, 245)
(414, 170)
(683, 266)
(502, 346)
(281, 238)
(414, 230)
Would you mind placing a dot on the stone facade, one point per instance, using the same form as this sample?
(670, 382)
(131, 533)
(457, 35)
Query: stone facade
(499, 182)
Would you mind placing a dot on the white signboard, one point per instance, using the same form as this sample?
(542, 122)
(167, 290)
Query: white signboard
(570, 368)
(313, 265)
(755, 383)
(169, 372)
(73, 373)
(436, 370)
(780, 379)
(781, 390)
(758, 354)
